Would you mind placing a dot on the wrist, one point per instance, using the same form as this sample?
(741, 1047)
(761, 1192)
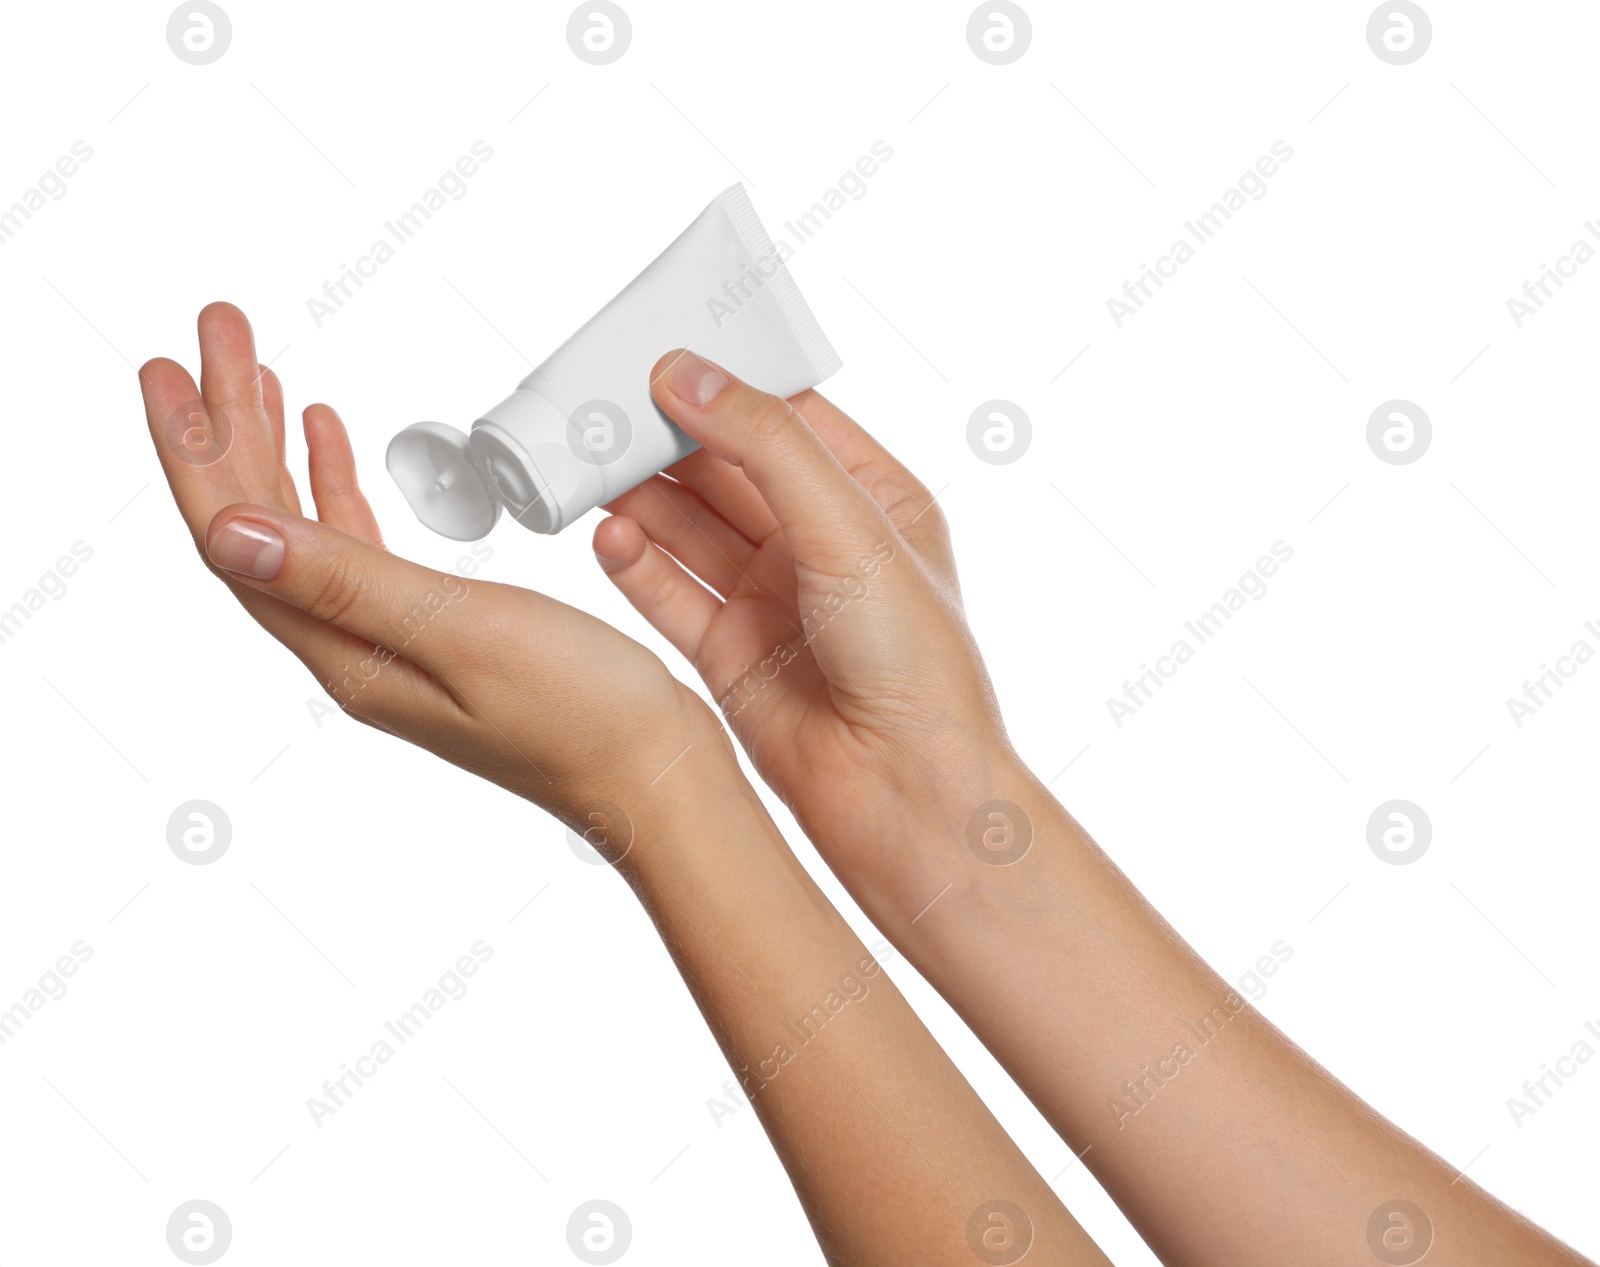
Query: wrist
(1012, 860)
(690, 829)
(929, 830)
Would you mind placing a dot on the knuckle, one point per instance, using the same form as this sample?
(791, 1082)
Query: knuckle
(655, 587)
(773, 420)
(361, 694)
(929, 516)
(908, 503)
(380, 714)
(356, 708)
(337, 593)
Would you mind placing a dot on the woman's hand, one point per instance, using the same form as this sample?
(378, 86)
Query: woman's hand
(568, 712)
(537, 696)
(880, 729)
(829, 625)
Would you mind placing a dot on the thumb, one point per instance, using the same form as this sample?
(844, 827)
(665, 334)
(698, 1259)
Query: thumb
(338, 579)
(829, 520)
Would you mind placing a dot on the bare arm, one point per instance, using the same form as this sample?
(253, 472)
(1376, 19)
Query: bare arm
(892, 1153)
(826, 619)
(1181, 1097)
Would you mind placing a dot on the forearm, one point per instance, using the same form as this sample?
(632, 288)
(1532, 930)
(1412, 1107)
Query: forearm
(793, 538)
(889, 1149)
(1182, 1094)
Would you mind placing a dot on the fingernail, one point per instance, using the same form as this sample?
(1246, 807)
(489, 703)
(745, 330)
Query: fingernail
(695, 380)
(246, 548)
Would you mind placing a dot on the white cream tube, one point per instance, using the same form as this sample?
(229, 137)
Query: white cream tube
(582, 428)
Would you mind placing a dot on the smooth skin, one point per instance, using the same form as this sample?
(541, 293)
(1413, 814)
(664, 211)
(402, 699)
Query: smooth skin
(893, 1156)
(874, 719)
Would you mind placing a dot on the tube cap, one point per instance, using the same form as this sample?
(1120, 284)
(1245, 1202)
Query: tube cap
(518, 456)
(437, 471)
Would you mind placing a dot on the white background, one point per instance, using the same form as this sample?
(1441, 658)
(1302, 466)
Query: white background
(976, 266)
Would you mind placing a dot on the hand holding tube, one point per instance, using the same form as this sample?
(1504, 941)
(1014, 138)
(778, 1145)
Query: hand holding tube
(829, 626)
(867, 708)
